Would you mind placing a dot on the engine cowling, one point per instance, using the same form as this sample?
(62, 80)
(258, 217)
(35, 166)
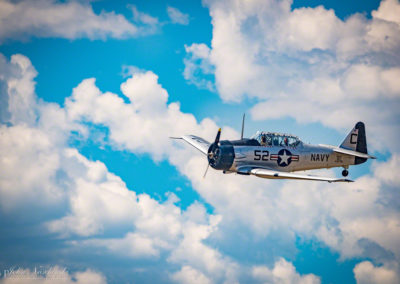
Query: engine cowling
(221, 155)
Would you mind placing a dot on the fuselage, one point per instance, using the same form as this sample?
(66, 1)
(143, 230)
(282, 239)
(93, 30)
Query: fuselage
(275, 155)
(249, 153)
(289, 159)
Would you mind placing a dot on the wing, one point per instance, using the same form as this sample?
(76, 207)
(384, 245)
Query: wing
(274, 174)
(197, 142)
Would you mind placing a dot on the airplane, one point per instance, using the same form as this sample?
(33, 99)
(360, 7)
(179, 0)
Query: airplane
(278, 155)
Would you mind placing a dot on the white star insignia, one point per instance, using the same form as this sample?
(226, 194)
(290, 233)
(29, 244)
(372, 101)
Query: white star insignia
(284, 158)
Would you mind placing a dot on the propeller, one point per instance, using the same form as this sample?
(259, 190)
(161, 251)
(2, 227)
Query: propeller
(241, 136)
(208, 165)
(217, 137)
(213, 151)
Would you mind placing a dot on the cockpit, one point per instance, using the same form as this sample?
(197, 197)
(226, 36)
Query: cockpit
(276, 139)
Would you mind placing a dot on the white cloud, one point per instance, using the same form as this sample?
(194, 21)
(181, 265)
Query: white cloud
(189, 275)
(92, 201)
(134, 245)
(24, 148)
(177, 17)
(197, 65)
(309, 28)
(142, 17)
(20, 86)
(367, 218)
(154, 121)
(258, 36)
(326, 212)
(71, 20)
(386, 172)
(349, 218)
(146, 95)
(22, 144)
(340, 71)
(149, 23)
(93, 187)
(366, 82)
(366, 273)
(282, 272)
(194, 252)
(389, 10)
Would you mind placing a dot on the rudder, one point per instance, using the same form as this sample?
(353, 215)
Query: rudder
(361, 139)
(361, 143)
(356, 140)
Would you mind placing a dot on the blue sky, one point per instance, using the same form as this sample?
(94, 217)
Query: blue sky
(90, 182)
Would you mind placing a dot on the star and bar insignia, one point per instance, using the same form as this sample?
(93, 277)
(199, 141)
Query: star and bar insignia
(284, 158)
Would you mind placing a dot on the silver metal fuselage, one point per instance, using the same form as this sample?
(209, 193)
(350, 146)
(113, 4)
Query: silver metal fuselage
(289, 159)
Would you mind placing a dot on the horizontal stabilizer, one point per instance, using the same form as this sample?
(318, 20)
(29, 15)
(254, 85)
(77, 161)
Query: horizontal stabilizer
(349, 152)
(353, 153)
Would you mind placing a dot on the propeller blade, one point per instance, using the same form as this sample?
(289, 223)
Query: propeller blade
(211, 150)
(218, 136)
(206, 170)
(241, 136)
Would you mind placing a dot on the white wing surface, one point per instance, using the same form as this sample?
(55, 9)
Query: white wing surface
(197, 142)
(274, 174)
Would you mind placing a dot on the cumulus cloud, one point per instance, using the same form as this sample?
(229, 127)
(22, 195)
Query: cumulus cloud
(133, 245)
(282, 272)
(340, 71)
(18, 77)
(348, 218)
(154, 121)
(64, 190)
(189, 275)
(149, 24)
(71, 20)
(388, 11)
(248, 35)
(367, 273)
(93, 187)
(20, 145)
(177, 17)
(75, 187)
(197, 62)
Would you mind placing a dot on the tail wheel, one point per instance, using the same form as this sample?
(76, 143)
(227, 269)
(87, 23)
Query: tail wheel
(345, 173)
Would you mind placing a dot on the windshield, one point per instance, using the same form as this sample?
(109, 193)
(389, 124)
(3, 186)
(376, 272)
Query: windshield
(276, 139)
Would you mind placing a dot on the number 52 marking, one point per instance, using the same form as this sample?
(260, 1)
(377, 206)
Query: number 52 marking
(261, 155)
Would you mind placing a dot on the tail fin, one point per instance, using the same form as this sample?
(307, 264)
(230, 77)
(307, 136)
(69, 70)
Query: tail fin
(356, 141)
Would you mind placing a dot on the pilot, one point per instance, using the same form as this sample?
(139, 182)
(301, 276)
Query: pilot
(263, 140)
(285, 140)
